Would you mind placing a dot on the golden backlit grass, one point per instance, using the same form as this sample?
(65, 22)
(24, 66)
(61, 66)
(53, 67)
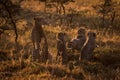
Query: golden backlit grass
(105, 65)
(19, 66)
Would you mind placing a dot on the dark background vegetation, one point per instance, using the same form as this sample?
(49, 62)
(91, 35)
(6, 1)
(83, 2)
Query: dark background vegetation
(16, 22)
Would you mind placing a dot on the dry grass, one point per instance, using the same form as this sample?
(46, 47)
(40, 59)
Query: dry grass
(104, 66)
(19, 66)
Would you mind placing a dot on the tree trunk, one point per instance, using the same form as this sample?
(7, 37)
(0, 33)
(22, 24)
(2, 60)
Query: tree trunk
(12, 21)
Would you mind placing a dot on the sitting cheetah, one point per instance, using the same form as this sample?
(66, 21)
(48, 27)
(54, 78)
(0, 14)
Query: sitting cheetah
(61, 46)
(89, 46)
(78, 42)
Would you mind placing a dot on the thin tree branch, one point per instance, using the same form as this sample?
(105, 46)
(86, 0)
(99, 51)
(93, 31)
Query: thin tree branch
(12, 21)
